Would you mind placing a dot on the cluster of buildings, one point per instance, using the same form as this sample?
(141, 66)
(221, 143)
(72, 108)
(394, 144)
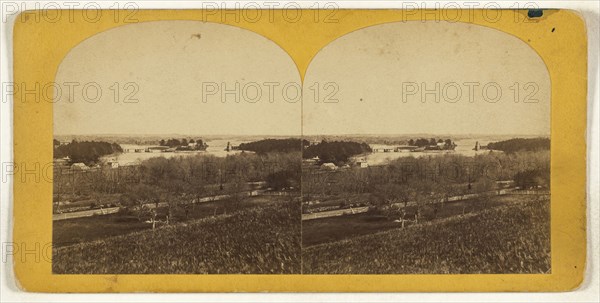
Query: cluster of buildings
(396, 149)
(65, 164)
(440, 146)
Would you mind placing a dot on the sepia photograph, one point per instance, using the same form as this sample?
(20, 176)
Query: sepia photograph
(178, 152)
(172, 155)
(432, 156)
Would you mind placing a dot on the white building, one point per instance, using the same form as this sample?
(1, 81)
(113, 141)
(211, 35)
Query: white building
(79, 166)
(328, 166)
(113, 164)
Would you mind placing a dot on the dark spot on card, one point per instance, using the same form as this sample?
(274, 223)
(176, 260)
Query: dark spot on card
(535, 13)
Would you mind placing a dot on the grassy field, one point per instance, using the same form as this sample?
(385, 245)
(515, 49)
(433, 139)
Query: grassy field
(512, 238)
(263, 239)
(66, 232)
(333, 229)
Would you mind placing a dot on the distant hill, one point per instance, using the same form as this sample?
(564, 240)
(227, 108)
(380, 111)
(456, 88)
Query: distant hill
(86, 151)
(152, 139)
(403, 139)
(336, 151)
(520, 144)
(272, 145)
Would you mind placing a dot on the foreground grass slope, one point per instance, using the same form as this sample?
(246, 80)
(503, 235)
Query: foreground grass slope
(259, 240)
(86, 229)
(514, 238)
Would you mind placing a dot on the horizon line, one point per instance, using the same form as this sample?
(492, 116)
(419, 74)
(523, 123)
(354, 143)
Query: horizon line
(305, 135)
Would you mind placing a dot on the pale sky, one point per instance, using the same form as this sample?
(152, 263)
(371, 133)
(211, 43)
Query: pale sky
(376, 74)
(169, 61)
(370, 66)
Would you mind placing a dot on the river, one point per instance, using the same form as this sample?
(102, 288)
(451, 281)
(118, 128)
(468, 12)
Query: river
(463, 147)
(215, 148)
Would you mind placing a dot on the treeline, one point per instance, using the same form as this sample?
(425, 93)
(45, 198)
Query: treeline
(203, 170)
(431, 179)
(179, 179)
(198, 144)
(336, 151)
(273, 145)
(520, 144)
(87, 152)
(421, 142)
(372, 139)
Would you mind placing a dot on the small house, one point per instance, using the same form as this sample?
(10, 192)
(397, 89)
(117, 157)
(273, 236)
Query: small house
(112, 164)
(362, 164)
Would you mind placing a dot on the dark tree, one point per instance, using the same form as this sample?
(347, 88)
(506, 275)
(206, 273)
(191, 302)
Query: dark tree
(86, 151)
(283, 179)
(532, 178)
(336, 151)
(272, 145)
(519, 144)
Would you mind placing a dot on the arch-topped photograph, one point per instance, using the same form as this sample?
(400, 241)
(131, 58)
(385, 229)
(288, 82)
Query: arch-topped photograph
(177, 133)
(429, 150)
